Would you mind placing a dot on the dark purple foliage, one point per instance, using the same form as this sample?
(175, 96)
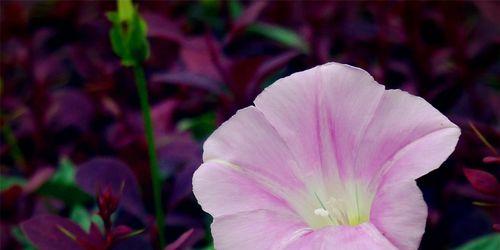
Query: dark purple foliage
(64, 94)
(483, 181)
(100, 173)
(50, 232)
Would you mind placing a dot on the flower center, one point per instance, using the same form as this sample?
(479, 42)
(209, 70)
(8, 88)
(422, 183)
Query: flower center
(349, 208)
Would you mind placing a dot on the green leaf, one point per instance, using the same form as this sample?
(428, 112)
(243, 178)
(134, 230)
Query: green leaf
(282, 35)
(65, 172)
(8, 181)
(69, 194)
(488, 242)
(18, 234)
(206, 12)
(128, 34)
(200, 126)
(62, 185)
(235, 9)
(81, 216)
(211, 6)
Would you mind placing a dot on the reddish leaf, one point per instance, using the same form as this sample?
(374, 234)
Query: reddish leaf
(491, 159)
(121, 231)
(482, 181)
(243, 72)
(247, 74)
(51, 232)
(10, 197)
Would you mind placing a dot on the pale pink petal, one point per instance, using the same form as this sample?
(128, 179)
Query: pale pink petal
(399, 212)
(321, 114)
(222, 189)
(328, 134)
(406, 139)
(248, 142)
(336, 117)
(362, 237)
(259, 229)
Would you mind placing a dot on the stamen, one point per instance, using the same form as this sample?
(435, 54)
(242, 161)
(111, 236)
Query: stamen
(321, 212)
(324, 208)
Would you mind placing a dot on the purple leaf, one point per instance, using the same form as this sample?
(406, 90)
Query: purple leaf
(248, 17)
(272, 65)
(180, 156)
(162, 116)
(160, 27)
(203, 56)
(133, 243)
(186, 240)
(100, 172)
(126, 131)
(188, 79)
(489, 9)
(69, 108)
(52, 232)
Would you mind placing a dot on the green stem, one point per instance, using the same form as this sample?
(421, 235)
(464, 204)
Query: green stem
(140, 80)
(15, 151)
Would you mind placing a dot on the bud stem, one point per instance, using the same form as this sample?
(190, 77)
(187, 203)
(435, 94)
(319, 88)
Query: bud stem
(140, 81)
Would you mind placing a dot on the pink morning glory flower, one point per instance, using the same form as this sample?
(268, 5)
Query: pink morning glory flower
(326, 159)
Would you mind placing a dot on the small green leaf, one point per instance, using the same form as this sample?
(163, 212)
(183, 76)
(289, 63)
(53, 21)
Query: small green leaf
(62, 185)
(488, 242)
(18, 234)
(81, 216)
(200, 126)
(69, 194)
(282, 35)
(235, 9)
(65, 172)
(8, 181)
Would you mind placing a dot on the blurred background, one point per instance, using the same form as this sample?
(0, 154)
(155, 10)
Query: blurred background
(70, 114)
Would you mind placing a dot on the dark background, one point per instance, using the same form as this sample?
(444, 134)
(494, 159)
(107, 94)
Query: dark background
(65, 96)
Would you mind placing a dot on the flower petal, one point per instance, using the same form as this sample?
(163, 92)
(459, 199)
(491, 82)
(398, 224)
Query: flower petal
(400, 212)
(320, 113)
(260, 229)
(361, 237)
(406, 139)
(222, 189)
(248, 142)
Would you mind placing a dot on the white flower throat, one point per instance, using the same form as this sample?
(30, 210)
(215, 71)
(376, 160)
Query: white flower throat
(333, 209)
(351, 207)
